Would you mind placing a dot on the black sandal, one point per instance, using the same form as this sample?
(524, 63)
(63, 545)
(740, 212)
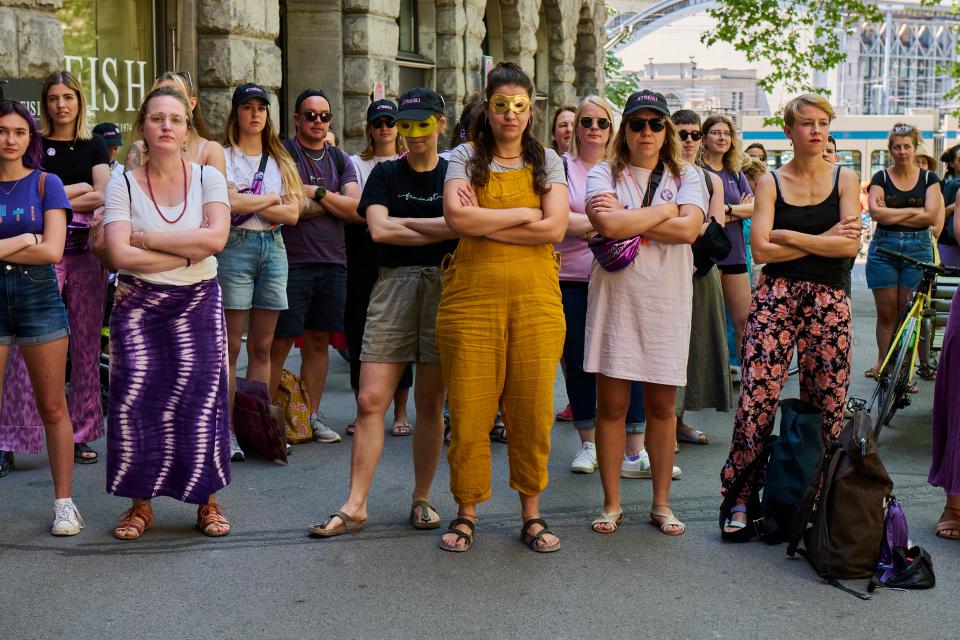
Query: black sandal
(531, 540)
(469, 537)
(6, 462)
(498, 434)
(81, 448)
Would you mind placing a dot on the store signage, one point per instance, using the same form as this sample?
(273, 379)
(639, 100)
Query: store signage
(111, 85)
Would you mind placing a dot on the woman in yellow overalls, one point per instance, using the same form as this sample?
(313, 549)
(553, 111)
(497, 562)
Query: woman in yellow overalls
(500, 324)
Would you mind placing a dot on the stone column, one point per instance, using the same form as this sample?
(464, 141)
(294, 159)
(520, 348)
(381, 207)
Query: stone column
(236, 44)
(590, 54)
(473, 43)
(31, 37)
(314, 50)
(562, 17)
(520, 19)
(370, 41)
(451, 58)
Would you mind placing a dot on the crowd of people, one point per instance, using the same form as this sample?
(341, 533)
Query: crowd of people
(466, 274)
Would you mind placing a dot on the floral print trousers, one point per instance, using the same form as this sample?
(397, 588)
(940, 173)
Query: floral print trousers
(786, 312)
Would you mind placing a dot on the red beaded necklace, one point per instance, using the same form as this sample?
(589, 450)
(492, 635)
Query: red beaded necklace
(154, 200)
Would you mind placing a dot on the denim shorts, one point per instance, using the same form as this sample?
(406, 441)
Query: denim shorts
(31, 309)
(317, 294)
(252, 269)
(402, 316)
(884, 271)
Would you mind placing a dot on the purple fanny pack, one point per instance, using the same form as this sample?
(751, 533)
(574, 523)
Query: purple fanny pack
(614, 255)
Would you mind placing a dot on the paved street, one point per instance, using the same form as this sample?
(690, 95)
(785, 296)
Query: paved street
(269, 580)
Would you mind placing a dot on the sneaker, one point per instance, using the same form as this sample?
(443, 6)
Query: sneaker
(321, 433)
(639, 467)
(236, 453)
(586, 460)
(566, 415)
(66, 518)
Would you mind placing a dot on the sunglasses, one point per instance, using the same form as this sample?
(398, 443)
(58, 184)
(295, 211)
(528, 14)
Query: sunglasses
(187, 78)
(311, 116)
(904, 128)
(587, 123)
(639, 124)
(693, 135)
(381, 123)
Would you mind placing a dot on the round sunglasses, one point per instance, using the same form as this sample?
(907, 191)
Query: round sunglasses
(587, 122)
(312, 116)
(693, 135)
(639, 124)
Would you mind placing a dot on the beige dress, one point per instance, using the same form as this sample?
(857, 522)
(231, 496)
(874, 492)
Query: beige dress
(638, 318)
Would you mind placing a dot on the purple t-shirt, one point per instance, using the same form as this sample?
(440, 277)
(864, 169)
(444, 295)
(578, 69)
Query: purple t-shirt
(318, 240)
(734, 187)
(22, 210)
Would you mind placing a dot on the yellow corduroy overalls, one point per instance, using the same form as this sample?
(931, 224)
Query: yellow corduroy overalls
(500, 331)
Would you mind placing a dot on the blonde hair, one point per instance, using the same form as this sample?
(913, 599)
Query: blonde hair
(367, 154)
(186, 88)
(904, 130)
(162, 92)
(733, 158)
(597, 101)
(753, 168)
(671, 152)
(792, 109)
(292, 186)
(82, 130)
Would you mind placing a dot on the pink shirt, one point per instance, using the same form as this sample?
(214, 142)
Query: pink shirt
(576, 258)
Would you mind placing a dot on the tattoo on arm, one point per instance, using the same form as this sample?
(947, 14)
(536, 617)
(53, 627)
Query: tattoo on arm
(311, 210)
(134, 158)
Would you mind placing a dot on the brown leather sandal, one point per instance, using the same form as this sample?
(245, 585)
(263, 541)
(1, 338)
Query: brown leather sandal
(209, 518)
(949, 521)
(134, 522)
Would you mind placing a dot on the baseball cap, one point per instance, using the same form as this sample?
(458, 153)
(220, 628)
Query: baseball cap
(419, 104)
(110, 133)
(381, 109)
(308, 93)
(646, 99)
(247, 92)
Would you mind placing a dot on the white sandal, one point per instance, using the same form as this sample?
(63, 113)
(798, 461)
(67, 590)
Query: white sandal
(611, 519)
(670, 520)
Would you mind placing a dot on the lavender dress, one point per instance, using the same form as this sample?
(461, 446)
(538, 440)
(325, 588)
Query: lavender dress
(945, 466)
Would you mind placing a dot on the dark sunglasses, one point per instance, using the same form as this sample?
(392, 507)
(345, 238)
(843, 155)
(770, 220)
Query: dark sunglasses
(187, 78)
(312, 116)
(904, 128)
(587, 122)
(693, 135)
(381, 123)
(639, 124)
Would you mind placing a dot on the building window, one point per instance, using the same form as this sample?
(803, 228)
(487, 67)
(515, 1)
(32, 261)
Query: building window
(416, 49)
(408, 26)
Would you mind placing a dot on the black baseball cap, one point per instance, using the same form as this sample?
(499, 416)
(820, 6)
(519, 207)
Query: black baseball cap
(419, 104)
(247, 92)
(646, 99)
(308, 93)
(381, 109)
(110, 133)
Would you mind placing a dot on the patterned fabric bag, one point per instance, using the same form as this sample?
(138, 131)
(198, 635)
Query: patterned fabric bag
(293, 400)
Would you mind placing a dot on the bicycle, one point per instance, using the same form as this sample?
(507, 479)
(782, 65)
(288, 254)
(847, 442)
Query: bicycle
(914, 326)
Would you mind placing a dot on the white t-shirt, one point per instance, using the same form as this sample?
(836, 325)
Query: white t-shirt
(137, 209)
(364, 167)
(240, 171)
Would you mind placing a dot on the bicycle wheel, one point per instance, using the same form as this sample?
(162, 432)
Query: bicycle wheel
(893, 383)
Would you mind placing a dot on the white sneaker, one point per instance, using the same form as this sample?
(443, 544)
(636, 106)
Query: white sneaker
(640, 468)
(236, 453)
(66, 518)
(321, 433)
(586, 460)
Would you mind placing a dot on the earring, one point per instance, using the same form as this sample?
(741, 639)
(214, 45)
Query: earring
(183, 149)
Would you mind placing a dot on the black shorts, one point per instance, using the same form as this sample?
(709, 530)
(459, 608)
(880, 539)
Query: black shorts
(316, 295)
(732, 269)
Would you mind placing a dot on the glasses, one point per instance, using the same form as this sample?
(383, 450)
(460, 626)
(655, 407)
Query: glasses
(639, 124)
(716, 133)
(904, 128)
(311, 116)
(519, 104)
(587, 123)
(383, 122)
(693, 135)
(175, 120)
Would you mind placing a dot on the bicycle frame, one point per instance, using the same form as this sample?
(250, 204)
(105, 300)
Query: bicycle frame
(913, 318)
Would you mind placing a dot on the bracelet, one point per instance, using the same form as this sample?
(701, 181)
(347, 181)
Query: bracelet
(143, 242)
(36, 240)
(188, 262)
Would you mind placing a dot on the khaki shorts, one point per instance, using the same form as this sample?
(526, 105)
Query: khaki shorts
(402, 316)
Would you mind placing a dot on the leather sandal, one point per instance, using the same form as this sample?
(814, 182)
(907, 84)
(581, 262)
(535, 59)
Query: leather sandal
(83, 454)
(531, 540)
(348, 524)
(134, 522)
(612, 520)
(211, 520)
(423, 521)
(669, 520)
(949, 521)
(468, 537)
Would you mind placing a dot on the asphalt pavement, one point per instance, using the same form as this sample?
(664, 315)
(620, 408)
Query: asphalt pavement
(269, 580)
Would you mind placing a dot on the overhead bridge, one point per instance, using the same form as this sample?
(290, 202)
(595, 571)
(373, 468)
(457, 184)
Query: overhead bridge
(625, 28)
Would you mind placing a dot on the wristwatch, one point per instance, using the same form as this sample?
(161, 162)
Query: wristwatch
(320, 194)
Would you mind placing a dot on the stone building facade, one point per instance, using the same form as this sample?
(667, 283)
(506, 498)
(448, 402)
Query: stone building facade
(346, 47)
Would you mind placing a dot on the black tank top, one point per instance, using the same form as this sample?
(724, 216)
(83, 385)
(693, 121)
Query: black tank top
(814, 220)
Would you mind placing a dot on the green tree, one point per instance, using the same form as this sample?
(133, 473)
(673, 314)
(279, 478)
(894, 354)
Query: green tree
(619, 85)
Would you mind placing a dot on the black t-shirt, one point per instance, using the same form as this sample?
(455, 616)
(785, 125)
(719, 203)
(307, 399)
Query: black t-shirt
(76, 165)
(896, 199)
(407, 194)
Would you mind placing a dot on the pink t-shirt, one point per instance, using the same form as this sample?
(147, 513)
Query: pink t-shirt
(575, 256)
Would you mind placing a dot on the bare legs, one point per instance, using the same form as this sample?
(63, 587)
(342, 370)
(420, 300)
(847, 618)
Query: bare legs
(736, 297)
(313, 367)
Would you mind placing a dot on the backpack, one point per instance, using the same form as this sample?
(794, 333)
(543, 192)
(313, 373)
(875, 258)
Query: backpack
(258, 431)
(790, 460)
(294, 403)
(841, 521)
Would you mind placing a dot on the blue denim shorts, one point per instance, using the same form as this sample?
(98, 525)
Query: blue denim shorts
(252, 269)
(31, 309)
(884, 271)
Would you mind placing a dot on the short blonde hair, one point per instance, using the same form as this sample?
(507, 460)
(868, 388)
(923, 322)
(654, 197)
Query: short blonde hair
(598, 101)
(792, 109)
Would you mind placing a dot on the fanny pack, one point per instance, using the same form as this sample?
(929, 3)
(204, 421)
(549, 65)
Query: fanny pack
(78, 239)
(614, 255)
(256, 188)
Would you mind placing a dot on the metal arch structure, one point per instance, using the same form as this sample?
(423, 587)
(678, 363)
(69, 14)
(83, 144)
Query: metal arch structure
(625, 28)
